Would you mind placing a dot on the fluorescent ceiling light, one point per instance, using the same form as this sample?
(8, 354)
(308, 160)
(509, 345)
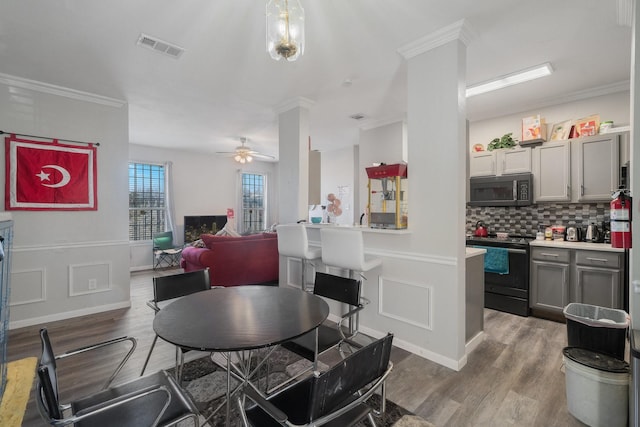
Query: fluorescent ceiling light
(510, 79)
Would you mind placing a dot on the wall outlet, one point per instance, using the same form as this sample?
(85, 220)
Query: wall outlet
(93, 284)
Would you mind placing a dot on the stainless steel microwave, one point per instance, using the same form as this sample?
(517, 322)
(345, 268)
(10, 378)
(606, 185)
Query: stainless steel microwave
(504, 190)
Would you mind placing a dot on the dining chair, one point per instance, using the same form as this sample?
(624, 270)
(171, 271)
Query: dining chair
(328, 336)
(166, 288)
(148, 401)
(337, 397)
(293, 242)
(165, 253)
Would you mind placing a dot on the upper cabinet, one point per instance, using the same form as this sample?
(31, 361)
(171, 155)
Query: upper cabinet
(551, 172)
(598, 167)
(500, 162)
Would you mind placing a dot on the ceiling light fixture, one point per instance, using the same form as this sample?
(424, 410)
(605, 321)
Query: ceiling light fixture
(511, 79)
(243, 155)
(285, 29)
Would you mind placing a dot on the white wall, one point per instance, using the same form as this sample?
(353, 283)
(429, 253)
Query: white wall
(337, 177)
(55, 254)
(610, 107)
(203, 184)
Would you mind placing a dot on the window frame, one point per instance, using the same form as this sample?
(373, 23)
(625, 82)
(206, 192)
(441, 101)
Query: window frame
(243, 226)
(159, 212)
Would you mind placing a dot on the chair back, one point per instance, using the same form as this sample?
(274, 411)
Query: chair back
(292, 240)
(163, 240)
(47, 386)
(337, 386)
(338, 288)
(179, 285)
(342, 248)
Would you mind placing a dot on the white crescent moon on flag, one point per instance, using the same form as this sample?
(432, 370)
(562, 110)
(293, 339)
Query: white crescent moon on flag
(66, 176)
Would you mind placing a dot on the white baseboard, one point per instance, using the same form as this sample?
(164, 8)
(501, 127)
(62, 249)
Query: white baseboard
(67, 315)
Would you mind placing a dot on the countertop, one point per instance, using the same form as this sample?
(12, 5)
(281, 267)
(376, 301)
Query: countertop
(471, 252)
(364, 228)
(575, 245)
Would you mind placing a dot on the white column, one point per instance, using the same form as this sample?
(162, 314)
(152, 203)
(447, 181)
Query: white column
(437, 149)
(293, 183)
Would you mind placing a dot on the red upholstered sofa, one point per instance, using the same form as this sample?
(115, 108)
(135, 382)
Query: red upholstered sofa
(235, 261)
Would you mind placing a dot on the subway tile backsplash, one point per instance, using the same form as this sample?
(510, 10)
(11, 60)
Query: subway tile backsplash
(527, 219)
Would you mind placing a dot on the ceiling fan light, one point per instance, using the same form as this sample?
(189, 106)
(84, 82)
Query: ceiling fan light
(237, 157)
(249, 158)
(285, 29)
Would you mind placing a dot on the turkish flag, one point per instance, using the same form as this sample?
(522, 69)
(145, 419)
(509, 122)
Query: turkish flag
(49, 176)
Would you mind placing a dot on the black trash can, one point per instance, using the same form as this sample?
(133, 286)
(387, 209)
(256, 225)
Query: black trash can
(598, 329)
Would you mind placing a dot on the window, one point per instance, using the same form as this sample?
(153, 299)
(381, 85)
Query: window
(147, 211)
(253, 215)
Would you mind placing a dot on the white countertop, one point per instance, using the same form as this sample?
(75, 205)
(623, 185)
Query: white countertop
(471, 251)
(364, 228)
(575, 245)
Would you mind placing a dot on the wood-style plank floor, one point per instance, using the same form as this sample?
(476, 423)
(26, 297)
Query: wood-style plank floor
(514, 377)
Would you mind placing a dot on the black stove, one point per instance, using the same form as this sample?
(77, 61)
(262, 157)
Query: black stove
(512, 240)
(509, 291)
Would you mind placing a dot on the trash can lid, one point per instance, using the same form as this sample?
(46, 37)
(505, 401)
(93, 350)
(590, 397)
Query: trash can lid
(595, 360)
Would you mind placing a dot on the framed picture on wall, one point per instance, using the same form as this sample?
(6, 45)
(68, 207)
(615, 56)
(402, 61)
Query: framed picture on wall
(560, 130)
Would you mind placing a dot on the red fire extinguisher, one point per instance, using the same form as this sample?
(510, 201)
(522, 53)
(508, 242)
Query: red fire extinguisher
(620, 214)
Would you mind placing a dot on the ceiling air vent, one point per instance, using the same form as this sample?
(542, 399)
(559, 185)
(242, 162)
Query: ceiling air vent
(160, 46)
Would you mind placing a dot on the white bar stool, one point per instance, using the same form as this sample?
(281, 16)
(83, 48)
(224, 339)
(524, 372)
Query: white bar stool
(345, 249)
(293, 242)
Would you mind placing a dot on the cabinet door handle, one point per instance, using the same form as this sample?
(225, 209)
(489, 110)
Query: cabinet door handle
(548, 254)
(568, 190)
(598, 259)
(582, 190)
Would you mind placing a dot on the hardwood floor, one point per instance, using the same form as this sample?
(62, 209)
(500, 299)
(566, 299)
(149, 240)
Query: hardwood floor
(514, 377)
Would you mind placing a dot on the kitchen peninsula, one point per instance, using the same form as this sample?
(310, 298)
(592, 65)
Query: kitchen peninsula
(401, 297)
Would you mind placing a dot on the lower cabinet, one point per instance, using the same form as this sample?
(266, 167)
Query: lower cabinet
(561, 276)
(550, 276)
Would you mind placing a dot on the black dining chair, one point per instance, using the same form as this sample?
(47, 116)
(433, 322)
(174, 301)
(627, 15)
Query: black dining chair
(148, 401)
(329, 336)
(337, 397)
(166, 288)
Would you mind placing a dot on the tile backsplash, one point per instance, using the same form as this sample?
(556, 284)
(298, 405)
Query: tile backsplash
(527, 219)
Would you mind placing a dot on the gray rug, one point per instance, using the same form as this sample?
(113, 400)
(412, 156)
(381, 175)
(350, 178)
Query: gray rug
(206, 383)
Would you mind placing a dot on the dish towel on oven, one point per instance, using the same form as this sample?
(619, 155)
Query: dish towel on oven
(496, 260)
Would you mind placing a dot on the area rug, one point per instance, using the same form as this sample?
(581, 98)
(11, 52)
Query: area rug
(206, 384)
(20, 375)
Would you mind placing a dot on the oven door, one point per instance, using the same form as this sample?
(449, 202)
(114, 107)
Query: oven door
(510, 292)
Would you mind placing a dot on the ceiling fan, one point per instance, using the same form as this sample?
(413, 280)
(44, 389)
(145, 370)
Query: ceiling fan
(244, 154)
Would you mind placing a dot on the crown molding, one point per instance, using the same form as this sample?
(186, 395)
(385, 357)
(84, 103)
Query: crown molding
(296, 102)
(50, 89)
(460, 30)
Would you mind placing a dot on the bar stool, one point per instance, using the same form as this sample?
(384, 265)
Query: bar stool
(293, 242)
(345, 249)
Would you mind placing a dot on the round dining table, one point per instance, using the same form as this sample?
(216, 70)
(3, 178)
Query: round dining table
(237, 320)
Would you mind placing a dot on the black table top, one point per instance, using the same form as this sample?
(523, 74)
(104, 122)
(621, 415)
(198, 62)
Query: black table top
(239, 318)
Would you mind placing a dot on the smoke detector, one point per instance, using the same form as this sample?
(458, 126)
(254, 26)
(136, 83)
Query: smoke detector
(160, 46)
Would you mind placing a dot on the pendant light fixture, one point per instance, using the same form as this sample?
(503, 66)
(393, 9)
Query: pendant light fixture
(285, 29)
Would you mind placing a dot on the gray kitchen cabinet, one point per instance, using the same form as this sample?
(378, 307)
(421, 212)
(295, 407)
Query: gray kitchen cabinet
(597, 278)
(500, 162)
(598, 167)
(550, 275)
(552, 172)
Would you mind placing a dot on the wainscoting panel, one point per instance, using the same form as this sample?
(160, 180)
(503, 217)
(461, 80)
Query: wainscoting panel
(28, 286)
(415, 308)
(89, 278)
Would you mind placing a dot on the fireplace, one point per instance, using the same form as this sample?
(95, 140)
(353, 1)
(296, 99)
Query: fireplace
(194, 226)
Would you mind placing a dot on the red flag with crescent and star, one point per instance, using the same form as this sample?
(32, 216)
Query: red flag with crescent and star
(49, 176)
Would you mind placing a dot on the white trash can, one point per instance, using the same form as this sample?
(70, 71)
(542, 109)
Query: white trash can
(597, 387)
